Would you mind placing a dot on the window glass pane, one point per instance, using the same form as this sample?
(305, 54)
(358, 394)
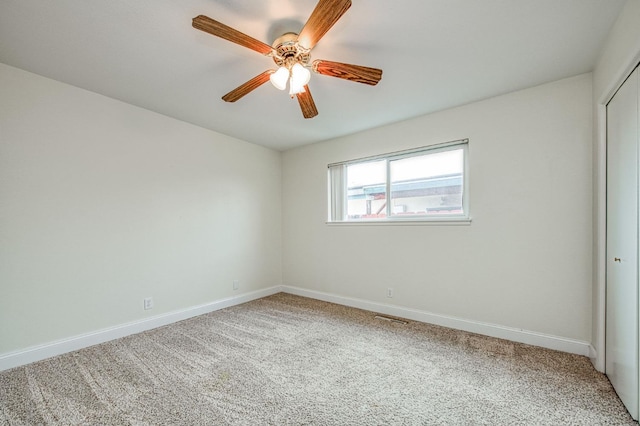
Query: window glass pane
(366, 190)
(429, 184)
(420, 184)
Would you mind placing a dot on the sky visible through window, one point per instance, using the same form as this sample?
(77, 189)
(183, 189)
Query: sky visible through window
(420, 167)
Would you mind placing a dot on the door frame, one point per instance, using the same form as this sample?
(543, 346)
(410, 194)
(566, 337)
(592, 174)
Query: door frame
(597, 349)
(622, 279)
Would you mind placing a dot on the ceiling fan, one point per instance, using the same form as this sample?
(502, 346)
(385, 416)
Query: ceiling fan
(291, 53)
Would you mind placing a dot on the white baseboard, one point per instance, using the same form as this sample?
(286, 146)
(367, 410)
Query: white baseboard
(47, 350)
(594, 356)
(516, 335)
(59, 347)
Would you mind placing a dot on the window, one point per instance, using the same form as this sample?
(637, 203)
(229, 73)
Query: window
(421, 184)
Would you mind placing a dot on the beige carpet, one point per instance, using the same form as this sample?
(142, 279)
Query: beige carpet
(290, 360)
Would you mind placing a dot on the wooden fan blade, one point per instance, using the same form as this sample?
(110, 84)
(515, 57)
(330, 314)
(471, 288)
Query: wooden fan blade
(221, 30)
(356, 73)
(247, 87)
(323, 17)
(307, 105)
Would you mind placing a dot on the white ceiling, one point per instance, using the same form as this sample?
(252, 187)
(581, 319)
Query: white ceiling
(435, 54)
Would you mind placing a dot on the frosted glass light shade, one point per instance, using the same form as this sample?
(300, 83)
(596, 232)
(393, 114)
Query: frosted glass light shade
(279, 78)
(299, 77)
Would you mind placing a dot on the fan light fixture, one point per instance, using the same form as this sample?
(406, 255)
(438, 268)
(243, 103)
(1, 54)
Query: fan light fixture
(298, 76)
(293, 62)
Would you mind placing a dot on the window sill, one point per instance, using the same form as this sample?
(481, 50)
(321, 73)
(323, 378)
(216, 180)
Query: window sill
(405, 222)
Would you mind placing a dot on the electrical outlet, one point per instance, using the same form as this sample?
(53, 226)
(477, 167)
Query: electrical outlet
(389, 292)
(236, 284)
(148, 303)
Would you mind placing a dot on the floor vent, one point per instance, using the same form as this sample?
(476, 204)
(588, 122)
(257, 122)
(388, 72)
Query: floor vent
(397, 321)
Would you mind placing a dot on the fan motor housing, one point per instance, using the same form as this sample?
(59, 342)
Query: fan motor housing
(288, 51)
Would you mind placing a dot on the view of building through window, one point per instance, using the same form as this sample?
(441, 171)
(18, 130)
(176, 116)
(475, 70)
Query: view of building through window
(421, 184)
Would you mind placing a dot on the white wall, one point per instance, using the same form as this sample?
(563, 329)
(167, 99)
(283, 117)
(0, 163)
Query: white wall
(619, 56)
(524, 262)
(103, 203)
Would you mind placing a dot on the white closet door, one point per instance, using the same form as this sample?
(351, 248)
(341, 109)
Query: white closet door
(622, 243)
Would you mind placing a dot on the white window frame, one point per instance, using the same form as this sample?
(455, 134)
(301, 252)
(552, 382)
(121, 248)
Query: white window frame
(337, 189)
